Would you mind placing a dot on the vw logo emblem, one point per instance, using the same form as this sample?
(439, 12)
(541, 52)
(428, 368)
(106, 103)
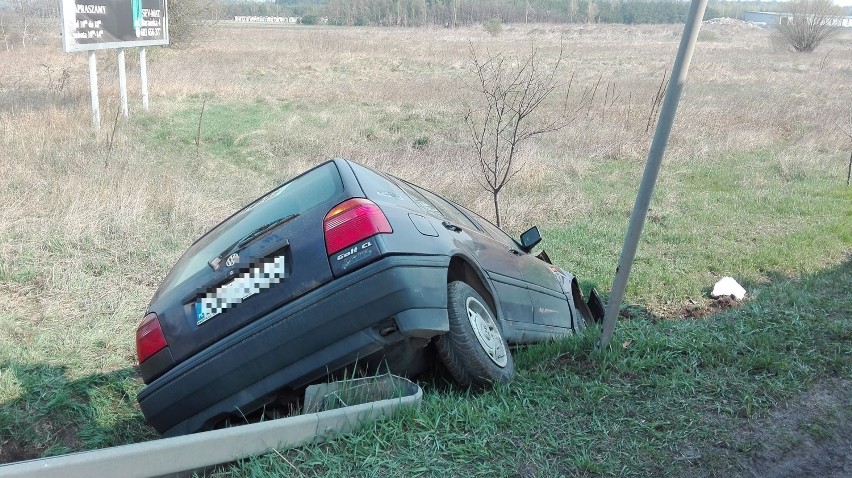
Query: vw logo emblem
(232, 259)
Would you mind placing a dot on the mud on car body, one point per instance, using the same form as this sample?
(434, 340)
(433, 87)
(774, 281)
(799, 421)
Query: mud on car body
(342, 265)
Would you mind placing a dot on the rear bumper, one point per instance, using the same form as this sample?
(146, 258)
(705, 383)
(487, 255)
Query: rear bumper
(301, 342)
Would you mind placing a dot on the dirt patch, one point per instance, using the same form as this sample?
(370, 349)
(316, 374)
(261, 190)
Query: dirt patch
(694, 309)
(699, 311)
(809, 437)
(637, 313)
(12, 451)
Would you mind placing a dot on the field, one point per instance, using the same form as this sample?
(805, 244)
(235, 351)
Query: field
(753, 186)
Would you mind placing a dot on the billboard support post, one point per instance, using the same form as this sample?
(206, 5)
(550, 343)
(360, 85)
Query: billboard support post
(89, 25)
(143, 77)
(122, 82)
(652, 167)
(93, 87)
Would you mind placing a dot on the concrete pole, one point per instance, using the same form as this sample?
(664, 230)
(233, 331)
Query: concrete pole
(122, 82)
(143, 77)
(93, 88)
(652, 168)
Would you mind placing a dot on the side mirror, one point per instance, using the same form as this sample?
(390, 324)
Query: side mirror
(530, 238)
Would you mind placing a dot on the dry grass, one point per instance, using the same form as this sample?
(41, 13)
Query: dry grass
(89, 223)
(369, 94)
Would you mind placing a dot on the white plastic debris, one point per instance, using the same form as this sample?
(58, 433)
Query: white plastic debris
(727, 286)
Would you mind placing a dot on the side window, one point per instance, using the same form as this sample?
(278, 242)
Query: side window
(419, 199)
(376, 186)
(449, 210)
(434, 204)
(496, 233)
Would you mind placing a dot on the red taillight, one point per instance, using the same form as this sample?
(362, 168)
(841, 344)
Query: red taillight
(352, 221)
(149, 337)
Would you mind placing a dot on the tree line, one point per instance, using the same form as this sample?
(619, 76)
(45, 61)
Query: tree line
(455, 13)
(187, 16)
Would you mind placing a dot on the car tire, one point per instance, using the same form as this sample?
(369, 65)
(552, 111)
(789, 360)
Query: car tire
(474, 350)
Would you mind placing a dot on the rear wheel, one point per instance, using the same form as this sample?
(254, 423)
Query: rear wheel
(474, 350)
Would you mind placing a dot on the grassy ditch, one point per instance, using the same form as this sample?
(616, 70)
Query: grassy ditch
(668, 399)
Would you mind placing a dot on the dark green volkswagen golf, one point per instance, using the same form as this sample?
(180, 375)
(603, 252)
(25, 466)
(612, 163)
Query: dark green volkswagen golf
(342, 265)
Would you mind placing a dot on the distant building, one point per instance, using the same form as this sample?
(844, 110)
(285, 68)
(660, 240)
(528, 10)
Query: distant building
(775, 18)
(763, 18)
(263, 19)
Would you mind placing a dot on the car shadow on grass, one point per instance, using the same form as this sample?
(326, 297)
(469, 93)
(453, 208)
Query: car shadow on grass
(55, 413)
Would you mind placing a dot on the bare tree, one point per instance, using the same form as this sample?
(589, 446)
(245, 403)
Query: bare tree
(25, 10)
(809, 23)
(505, 112)
(4, 32)
(591, 12)
(188, 19)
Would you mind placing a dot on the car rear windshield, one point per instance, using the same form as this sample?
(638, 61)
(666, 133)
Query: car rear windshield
(295, 197)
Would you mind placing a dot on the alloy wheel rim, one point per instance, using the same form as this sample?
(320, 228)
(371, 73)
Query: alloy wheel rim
(486, 331)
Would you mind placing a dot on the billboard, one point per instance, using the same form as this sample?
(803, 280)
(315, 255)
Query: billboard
(101, 24)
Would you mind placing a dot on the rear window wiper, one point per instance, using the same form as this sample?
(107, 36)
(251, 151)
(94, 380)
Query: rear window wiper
(248, 238)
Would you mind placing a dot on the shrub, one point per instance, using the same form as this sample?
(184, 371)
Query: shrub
(808, 24)
(188, 18)
(494, 26)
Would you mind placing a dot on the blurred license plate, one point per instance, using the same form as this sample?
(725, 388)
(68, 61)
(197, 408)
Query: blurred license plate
(259, 277)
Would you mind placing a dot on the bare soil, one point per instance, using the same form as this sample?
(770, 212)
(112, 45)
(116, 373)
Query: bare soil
(698, 311)
(12, 451)
(811, 436)
(692, 310)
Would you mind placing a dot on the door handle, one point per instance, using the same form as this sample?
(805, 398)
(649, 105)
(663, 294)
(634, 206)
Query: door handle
(451, 226)
(514, 252)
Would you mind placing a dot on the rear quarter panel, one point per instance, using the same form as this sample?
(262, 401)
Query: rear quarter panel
(420, 229)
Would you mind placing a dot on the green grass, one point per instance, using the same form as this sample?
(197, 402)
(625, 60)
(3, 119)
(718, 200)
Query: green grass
(49, 412)
(639, 410)
(225, 131)
(249, 135)
(736, 216)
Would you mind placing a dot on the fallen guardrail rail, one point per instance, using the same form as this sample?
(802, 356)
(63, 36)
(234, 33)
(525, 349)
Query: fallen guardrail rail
(332, 409)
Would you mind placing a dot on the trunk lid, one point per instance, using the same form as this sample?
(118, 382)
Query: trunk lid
(263, 256)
